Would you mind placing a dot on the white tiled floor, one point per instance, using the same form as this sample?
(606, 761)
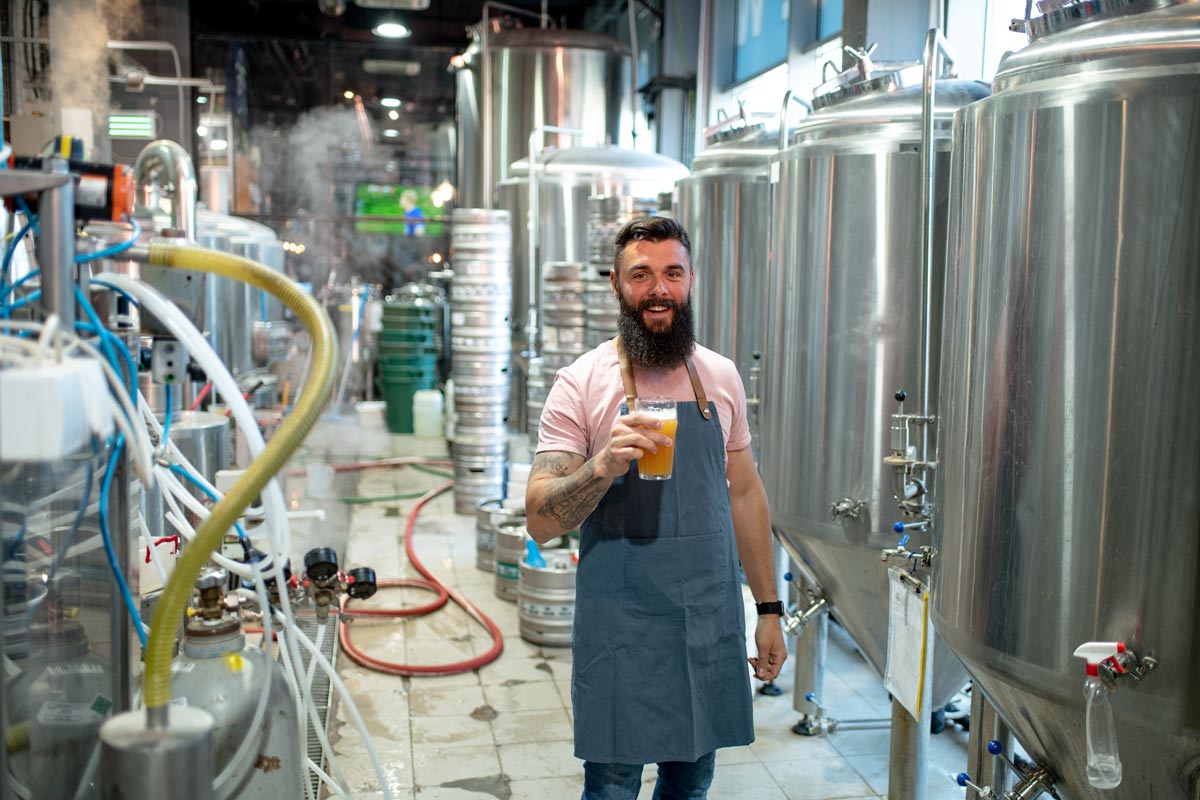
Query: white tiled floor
(503, 732)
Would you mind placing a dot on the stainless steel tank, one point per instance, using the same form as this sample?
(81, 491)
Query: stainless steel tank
(1069, 444)
(561, 78)
(843, 334)
(565, 180)
(725, 206)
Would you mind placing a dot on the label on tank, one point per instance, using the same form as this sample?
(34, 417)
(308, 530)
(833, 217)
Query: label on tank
(52, 713)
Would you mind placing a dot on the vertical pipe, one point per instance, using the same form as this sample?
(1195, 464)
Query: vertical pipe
(120, 524)
(811, 646)
(633, 71)
(984, 768)
(56, 246)
(485, 112)
(935, 46)
(703, 72)
(909, 759)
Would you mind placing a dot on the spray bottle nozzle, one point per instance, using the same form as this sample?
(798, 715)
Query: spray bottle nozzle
(533, 556)
(1096, 653)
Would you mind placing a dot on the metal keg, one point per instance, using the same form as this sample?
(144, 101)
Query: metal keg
(508, 552)
(562, 305)
(546, 599)
(481, 348)
(537, 388)
(490, 514)
(607, 214)
(601, 309)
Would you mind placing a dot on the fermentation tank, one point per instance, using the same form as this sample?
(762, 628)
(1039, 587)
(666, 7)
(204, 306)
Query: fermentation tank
(725, 206)
(537, 76)
(843, 334)
(1069, 442)
(565, 180)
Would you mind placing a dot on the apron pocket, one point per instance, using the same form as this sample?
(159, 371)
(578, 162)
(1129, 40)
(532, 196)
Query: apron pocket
(676, 577)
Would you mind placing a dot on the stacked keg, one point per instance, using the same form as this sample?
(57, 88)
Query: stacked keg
(480, 350)
(489, 514)
(607, 214)
(546, 598)
(564, 286)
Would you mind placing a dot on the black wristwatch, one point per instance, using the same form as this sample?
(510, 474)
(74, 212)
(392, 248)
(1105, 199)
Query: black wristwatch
(773, 607)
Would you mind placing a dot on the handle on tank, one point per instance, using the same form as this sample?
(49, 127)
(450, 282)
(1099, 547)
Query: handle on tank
(784, 130)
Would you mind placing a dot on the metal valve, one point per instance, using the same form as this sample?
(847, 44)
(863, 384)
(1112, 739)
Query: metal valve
(1034, 779)
(795, 618)
(324, 582)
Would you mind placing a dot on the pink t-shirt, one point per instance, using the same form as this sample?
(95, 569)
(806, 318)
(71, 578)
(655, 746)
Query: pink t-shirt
(585, 399)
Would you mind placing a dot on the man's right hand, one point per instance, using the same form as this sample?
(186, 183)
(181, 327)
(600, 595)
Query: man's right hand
(633, 436)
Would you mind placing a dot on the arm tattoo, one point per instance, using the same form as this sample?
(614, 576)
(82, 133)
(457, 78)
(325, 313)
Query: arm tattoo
(571, 496)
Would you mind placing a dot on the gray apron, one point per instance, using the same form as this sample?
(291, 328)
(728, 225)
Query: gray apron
(659, 641)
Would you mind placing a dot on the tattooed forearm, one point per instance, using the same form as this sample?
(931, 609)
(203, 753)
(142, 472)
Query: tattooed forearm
(570, 499)
(563, 489)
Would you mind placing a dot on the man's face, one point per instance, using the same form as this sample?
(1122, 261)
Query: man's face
(655, 279)
(654, 285)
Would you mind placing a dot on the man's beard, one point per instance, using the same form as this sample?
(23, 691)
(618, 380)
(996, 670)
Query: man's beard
(662, 350)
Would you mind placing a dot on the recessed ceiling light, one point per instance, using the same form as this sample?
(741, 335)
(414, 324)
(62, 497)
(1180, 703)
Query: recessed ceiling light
(391, 133)
(389, 102)
(391, 30)
(349, 95)
(393, 114)
(201, 99)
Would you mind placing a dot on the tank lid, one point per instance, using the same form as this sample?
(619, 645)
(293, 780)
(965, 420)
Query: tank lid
(750, 145)
(592, 160)
(558, 37)
(1120, 34)
(868, 77)
(1060, 15)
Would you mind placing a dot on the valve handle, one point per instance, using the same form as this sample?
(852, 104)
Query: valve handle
(811, 696)
(787, 576)
(995, 747)
(900, 395)
(962, 779)
(898, 527)
(903, 540)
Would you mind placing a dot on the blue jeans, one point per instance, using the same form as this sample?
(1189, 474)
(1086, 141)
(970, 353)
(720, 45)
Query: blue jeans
(677, 780)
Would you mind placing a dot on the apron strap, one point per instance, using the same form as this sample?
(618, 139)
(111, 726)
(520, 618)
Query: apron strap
(631, 387)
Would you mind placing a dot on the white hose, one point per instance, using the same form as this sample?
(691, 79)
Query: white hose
(278, 532)
(352, 709)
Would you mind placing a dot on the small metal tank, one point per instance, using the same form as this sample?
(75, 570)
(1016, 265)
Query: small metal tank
(725, 206)
(1070, 445)
(843, 332)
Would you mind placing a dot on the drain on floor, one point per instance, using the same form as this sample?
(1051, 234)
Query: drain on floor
(495, 785)
(392, 511)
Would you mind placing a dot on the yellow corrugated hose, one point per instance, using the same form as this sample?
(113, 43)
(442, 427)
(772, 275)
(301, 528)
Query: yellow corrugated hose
(174, 600)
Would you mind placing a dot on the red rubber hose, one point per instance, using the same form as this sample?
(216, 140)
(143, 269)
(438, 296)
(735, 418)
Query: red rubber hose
(200, 397)
(434, 585)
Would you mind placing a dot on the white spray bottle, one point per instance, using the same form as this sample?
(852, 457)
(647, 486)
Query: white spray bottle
(1103, 761)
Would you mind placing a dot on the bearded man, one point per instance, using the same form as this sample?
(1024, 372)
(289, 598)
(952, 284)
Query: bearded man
(659, 636)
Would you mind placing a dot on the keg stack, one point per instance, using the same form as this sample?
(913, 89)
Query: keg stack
(607, 214)
(480, 350)
(563, 297)
(489, 514)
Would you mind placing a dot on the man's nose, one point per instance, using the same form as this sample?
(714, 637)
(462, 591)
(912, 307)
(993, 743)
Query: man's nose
(659, 287)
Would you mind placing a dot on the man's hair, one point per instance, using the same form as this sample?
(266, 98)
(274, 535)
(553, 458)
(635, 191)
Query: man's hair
(650, 229)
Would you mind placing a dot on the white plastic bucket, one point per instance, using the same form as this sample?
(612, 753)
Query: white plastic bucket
(427, 413)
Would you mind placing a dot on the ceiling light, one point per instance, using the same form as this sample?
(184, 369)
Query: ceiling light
(393, 114)
(391, 30)
(218, 144)
(391, 133)
(349, 95)
(390, 102)
(391, 66)
(202, 130)
(201, 99)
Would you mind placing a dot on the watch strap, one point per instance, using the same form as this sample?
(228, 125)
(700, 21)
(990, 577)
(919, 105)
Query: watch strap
(773, 607)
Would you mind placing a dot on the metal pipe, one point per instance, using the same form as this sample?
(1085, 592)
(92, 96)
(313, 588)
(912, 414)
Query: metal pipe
(120, 523)
(485, 111)
(784, 130)
(165, 164)
(532, 325)
(203, 84)
(909, 759)
(703, 72)
(809, 676)
(935, 46)
(56, 245)
(986, 725)
(158, 46)
(633, 72)
(798, 562)
(878, 724)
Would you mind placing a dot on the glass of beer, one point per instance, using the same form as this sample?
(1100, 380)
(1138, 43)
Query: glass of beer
(658, 466)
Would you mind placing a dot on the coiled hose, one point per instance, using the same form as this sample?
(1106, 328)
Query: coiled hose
(175, 597)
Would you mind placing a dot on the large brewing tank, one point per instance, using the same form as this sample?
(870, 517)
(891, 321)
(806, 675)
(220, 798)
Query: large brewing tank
(245, 325)
(565, 180)
(843, 334)
(538, 76)
(1069, 442)
(725, 206)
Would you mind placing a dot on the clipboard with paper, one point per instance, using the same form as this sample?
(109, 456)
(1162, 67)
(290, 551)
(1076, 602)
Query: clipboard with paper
(910, 645)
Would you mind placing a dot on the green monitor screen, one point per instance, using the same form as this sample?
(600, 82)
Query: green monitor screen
(407, 207)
